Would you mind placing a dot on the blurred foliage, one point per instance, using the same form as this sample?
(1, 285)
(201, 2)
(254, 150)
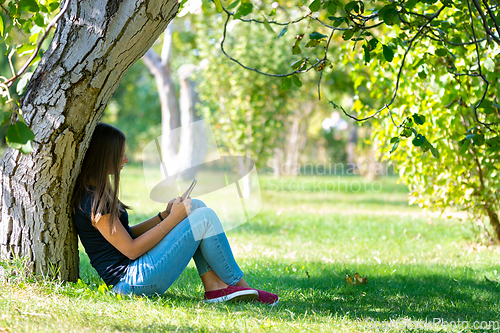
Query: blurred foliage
(446, 157)
(135, 108)
(23, 25)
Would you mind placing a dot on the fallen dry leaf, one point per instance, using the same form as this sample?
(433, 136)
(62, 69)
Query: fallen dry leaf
(355, 279)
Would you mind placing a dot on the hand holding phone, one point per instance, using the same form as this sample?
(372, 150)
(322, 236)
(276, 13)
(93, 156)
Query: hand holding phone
(189, 190)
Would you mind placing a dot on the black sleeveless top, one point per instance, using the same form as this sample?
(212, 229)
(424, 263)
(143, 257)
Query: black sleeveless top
(109, 263)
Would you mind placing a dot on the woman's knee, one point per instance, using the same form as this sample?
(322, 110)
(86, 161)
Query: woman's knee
(207, 218)
(196, 203)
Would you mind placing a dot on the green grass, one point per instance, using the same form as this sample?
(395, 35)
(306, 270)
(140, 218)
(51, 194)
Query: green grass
(301, 245)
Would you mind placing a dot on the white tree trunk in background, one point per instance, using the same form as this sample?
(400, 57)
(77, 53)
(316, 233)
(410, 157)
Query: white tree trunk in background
(193, 145)
(181, 148)
(95, 42)
(296, 137)
(159, 66)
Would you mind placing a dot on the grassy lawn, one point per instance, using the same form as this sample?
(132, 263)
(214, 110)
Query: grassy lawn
(424, 274)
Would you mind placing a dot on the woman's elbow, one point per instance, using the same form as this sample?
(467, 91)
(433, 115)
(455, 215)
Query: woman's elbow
(132, 255)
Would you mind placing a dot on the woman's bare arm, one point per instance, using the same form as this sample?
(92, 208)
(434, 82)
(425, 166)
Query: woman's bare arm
(134, 248)
(142, 227)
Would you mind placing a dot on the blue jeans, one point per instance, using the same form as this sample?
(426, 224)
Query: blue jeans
(200, 236)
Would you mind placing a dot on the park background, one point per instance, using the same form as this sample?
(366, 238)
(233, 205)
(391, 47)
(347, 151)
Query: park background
(422, 266)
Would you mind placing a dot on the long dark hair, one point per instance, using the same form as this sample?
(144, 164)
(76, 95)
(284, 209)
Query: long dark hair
(101, 166)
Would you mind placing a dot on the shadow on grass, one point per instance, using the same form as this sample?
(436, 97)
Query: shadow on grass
(418, 293)
(384, 298)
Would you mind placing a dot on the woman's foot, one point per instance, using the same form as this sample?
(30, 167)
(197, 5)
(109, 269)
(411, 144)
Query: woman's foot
(267, 298)
(231, 293)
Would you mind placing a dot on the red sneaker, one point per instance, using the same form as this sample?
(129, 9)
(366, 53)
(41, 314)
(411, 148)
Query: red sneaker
(231, 293)
(268, 298)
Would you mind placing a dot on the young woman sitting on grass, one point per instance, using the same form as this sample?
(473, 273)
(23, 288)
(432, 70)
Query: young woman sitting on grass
(147, 258)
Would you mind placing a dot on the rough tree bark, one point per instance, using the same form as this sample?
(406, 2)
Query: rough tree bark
(95, 42)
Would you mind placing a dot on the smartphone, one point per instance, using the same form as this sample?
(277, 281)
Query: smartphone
(190, 189)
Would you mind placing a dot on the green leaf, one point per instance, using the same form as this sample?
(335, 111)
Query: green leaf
(43, 8)
(410, 4)
(337, 21)
(296, 81)
(317, 35)
(296, 47)
(373, 43)
(422, 74)
(283, 31)
(286, 83)
(493, 149)
(489, 64)
(267, 25)
(26, 148)
(465, 146)
(26, 49)
(28, 6)
(244, 9)
(23, 82)
(2, 26)
(233, 5)
(419, 119)
(218, 6)
(406, 133)
(297, 64)
(5, 117)
(313, 43)
(388, 53)
(435, 152)
(315, 5)
(348, 34)
(353, 5)
(396, 144)
(394, 139)
(389, 14)
(478, 140)
(18, 135)
(39, 20)
(54, 5)
(366, 49)
(332, 8)
(441, 52)
(419, 140)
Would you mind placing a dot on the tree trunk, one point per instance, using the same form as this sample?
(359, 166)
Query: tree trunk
(494, 221)
(296, 137)
(160, 69)
(193, 145)
(94, 44)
